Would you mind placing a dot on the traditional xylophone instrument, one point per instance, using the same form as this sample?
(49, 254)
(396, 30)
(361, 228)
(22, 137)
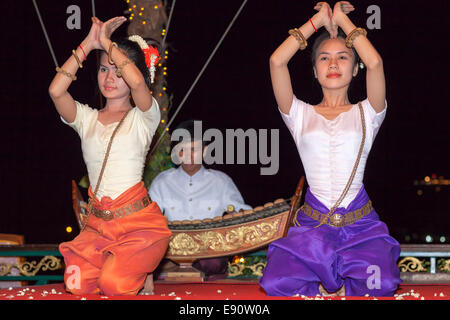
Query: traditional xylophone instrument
(232, 234)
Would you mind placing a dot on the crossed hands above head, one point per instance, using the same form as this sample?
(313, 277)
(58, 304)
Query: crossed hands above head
(331, 19)
(100, 32)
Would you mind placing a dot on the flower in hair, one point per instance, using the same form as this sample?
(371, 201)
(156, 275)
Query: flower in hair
(151, 58)
(151, 54)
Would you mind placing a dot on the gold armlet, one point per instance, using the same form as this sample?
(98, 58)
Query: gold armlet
(353, 35)
(119, 69)
(113, 44)
(76, 58)
(299, 37)
(67, 74)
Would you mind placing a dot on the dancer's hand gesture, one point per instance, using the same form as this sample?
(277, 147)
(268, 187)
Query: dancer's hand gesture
(340, 10)
(107, 28)
(325, 14)
(92, 40)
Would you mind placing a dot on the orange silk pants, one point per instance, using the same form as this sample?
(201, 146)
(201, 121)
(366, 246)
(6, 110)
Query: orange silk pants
(113, 257)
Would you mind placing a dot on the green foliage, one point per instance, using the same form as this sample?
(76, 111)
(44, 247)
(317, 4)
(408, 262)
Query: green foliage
(84, 182)
(158, 162)
(252, 260)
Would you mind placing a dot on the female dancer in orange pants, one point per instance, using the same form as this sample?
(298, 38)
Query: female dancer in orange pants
(125, 235)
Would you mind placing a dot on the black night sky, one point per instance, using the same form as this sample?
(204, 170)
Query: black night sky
(40, 155)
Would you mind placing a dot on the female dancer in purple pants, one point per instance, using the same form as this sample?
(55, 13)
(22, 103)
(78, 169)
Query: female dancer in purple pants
(338, 245)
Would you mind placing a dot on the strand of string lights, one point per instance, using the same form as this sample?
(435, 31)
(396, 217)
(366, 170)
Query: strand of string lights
(198, 76)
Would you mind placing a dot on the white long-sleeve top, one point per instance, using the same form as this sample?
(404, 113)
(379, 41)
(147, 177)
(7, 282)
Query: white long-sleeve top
(206, 194)
(328, 148)
(129, 148)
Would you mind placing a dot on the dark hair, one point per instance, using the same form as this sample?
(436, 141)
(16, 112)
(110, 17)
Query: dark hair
(189, 125)
(325, 36)
(135, 54)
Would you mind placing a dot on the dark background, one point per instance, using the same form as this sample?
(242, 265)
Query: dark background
(40, 155)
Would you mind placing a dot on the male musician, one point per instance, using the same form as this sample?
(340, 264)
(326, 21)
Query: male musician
(192, 192)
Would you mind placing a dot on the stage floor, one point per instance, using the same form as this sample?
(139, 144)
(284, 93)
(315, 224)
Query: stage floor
(218, 290)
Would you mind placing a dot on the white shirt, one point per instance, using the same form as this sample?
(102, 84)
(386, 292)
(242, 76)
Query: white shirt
(206, 194)
(129, 148)
(329, 148)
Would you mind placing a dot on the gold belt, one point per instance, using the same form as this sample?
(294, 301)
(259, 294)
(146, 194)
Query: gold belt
(337, 220)
(121, 212)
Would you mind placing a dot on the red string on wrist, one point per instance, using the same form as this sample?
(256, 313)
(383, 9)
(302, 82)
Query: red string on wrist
(313, 25)
(84, 54)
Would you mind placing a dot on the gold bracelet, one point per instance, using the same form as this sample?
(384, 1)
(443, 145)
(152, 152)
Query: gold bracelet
(353, 35)
(67, 74)
(76, 58)
(299, 37)
(119, 69)
(113, 44)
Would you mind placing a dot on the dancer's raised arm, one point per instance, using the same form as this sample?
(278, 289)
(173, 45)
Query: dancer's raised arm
(64, 103)
(332, 139)
(279, 72)
(130, 73)
(375, 80)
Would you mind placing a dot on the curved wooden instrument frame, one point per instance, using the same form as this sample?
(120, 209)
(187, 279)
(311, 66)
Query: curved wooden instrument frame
(189, 244)
(210, 243)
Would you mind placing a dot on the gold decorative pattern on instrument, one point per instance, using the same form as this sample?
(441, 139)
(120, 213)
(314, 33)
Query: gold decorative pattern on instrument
(184, 244)
(216, 241)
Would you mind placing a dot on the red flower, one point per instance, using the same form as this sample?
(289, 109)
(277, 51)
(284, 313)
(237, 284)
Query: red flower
(148, 53)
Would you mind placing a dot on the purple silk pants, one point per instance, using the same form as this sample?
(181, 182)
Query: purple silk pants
(362, 256)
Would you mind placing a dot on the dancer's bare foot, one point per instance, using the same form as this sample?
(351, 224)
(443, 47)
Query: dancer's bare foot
(148, 286)
(325, 293)
(341, 291)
